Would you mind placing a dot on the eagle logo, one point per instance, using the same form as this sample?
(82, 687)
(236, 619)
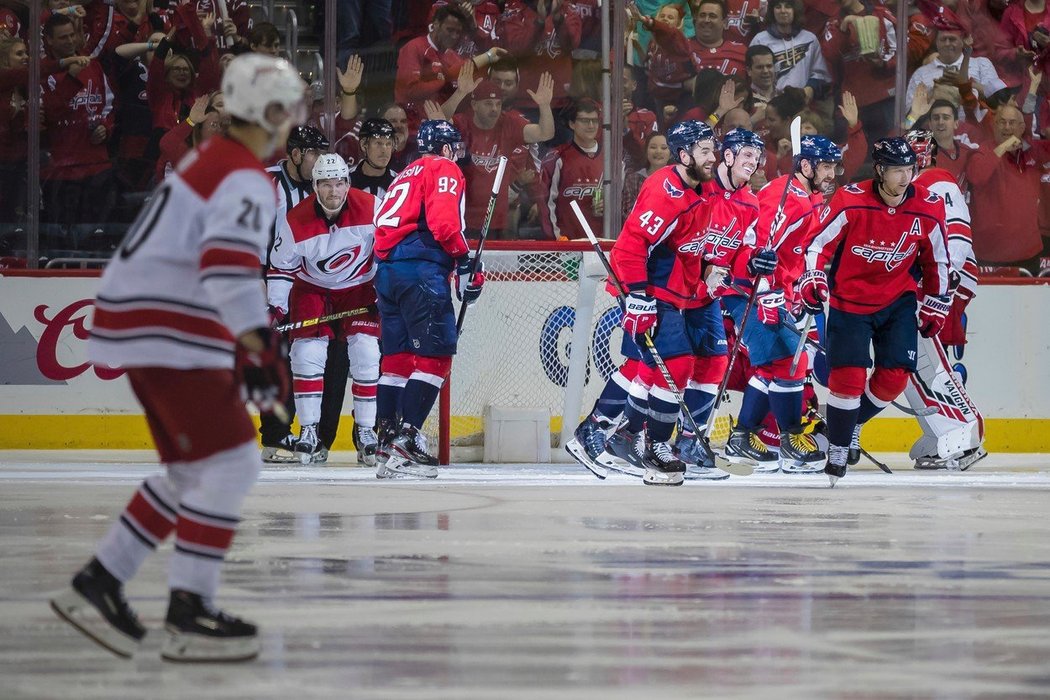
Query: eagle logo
(672, 191)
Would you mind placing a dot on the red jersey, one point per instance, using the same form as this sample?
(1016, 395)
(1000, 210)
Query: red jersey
(542, 47)
(729, 236)
(737, 13)
(969, 163)
(729, 58)
(569, 174)
(868, 81)
(793, 232)
(425, 73)
(485, 146)
(483, 38)
(660, 247)
(72, 106)
(872, 247)
(421, 216)
(668, 68)
(1005, 224)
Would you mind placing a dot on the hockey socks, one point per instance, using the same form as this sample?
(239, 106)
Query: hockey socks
(147, 521)
(842, 418)
(308, 358)
(785, 400)
(613, 399)
(755, 404)
(396, 369)
(422, 389)
(663, 414)
(699, 403)
(636, 411)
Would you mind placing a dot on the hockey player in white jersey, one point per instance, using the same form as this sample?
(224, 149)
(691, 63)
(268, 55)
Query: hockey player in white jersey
(181, 308)
(953, 437)
(321, 264)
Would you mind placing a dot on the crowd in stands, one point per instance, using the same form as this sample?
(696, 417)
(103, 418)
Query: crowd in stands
(130, 86)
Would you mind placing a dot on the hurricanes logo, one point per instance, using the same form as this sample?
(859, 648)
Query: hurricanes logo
(892, 255)
(348, 257)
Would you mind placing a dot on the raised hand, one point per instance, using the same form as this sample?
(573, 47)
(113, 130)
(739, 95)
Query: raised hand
(199, 110)
(432, 110)
(727, 98)
(849, 110)
(350, 79)
(544, 91)
(920, 103)
(466, 82)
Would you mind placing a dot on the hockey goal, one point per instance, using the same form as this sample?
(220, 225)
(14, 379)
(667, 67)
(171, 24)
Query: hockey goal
(517, 351)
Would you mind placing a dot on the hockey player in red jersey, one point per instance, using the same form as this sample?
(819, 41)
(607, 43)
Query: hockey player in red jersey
(657, 258)
(768, 335)
(419, 243)
(953, 436)
(873, 233)
(181, 308)
(321, 264)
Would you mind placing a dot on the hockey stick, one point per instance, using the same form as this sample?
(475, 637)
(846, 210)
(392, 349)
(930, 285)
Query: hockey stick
(621, 294)
(778, 220)
(296, 325)
(877, 463)
(803, 336)
(484, 234)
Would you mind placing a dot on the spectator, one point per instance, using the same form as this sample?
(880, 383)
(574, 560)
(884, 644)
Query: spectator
(957, 152)
(657, 155)
(776, 132)
(78, 118)
(947, 63)
(373, 173)
(404, 145)
(638, 122)
(667, 73)
(763, 80)
(136, 151)
(573, 172)
(361, 23)
(184, 67)
(14, 83)
(203, 122)
(743, 19)
(265, 39)
(711, 48)
(797, 52)
(480, 36)
(488, 133)
(1005, 222)
(541, 35)
(10, 24)
(861, 46)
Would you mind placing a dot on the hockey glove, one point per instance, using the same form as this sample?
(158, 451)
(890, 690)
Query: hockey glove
(715, 279)
(768, 306)
(264, 372)
(813, 288)
(469, 282)
(639, 314)
(932, 314)
(277, 315)
(764, 262)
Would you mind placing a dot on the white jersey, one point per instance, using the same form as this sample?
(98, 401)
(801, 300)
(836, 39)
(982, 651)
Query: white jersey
(957, 216)
(186, 282)
(310, 249)
(289, 193)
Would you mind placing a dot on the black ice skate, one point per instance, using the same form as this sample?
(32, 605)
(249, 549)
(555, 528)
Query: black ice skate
(199, 632)
(587, 443)
(95, 605)
(407, 456)
(280, 452)
(854, 446)
(662, 467)
(623, 452)
(309, 445)
(799, 453)
(699, 462)
(745, 447)
(366, 443)
(836, 466)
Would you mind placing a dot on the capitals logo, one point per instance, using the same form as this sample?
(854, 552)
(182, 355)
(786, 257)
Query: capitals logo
(720, 241)
(892, 254)
(672, 191)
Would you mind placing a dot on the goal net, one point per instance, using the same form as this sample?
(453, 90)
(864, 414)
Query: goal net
(541, 301)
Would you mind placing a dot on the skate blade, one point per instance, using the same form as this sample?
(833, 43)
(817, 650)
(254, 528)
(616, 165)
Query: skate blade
(398, 468)
(367, 460)
(82, 616)
(655, 478)
(616, 464)
(833, 479)
(305, 458)
(576, 451)
(796, 468)
(287, 458)
(181, 647)
(734, 468)
(709, 474)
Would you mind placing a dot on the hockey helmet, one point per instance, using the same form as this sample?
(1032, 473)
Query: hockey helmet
(255, 82)
(739, 138)
(924, 145)
(684, 135)
(304, 137)
(372, 128)
(436, 133)
(330, 166)
(819, 149)
(892, 152)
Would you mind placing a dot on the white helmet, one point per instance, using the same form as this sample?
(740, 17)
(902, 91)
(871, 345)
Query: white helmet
(252, 82)
(329, 166)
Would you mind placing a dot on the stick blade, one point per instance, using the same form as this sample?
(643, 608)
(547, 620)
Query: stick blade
(796, 136)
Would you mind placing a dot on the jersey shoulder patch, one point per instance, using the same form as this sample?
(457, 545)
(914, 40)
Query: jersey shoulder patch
(852, 188)
(671, 190)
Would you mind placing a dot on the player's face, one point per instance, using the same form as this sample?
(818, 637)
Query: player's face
(709, 23)
(379, 150)
(704, 159)
(895, 179)
(825, 176)
(949, 46)
(761, 70)
(942, 122)
(585, 126)
(63, 41)
(745, 163)
(331, 192)
(487, 112)
(448, 33)
(657, 152)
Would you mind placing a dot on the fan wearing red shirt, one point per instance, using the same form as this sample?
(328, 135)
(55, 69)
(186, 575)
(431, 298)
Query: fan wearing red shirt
(873, 234)
(542, 35)
(573, 172)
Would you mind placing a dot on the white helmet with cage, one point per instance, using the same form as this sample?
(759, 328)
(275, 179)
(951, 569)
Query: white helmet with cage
(254, 83)
(330, 166)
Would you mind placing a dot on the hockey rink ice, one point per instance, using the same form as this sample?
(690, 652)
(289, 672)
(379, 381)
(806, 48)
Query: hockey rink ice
(539, 581)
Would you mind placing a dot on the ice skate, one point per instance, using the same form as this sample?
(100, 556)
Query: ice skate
(95, 605)
(662, 467)
(623, 452)
(854, 447)
(321, 457)
(958, 463)
(744, 447)
(799, 454)
(407, 456)
(366, 443)
(587, 443)
(198, 632)
(836, 466)
(699, 463)
(309, 445)
(280, 452)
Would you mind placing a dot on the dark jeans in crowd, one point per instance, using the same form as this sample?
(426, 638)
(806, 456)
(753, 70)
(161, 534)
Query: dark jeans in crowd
(360, 23)
(70, 202)
(13, 191)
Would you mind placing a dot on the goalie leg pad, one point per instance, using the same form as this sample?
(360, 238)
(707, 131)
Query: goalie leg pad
(958, 426)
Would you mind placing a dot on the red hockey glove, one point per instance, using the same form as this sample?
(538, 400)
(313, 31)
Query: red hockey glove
(277, 315)
(768, 306)
(932, 314)
(639, 314)
(813, 289)
(264, 372)
(468, 282)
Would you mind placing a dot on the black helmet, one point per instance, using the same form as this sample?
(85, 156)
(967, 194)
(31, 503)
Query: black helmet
(304, 137)
(371, 128)
(892, 152)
